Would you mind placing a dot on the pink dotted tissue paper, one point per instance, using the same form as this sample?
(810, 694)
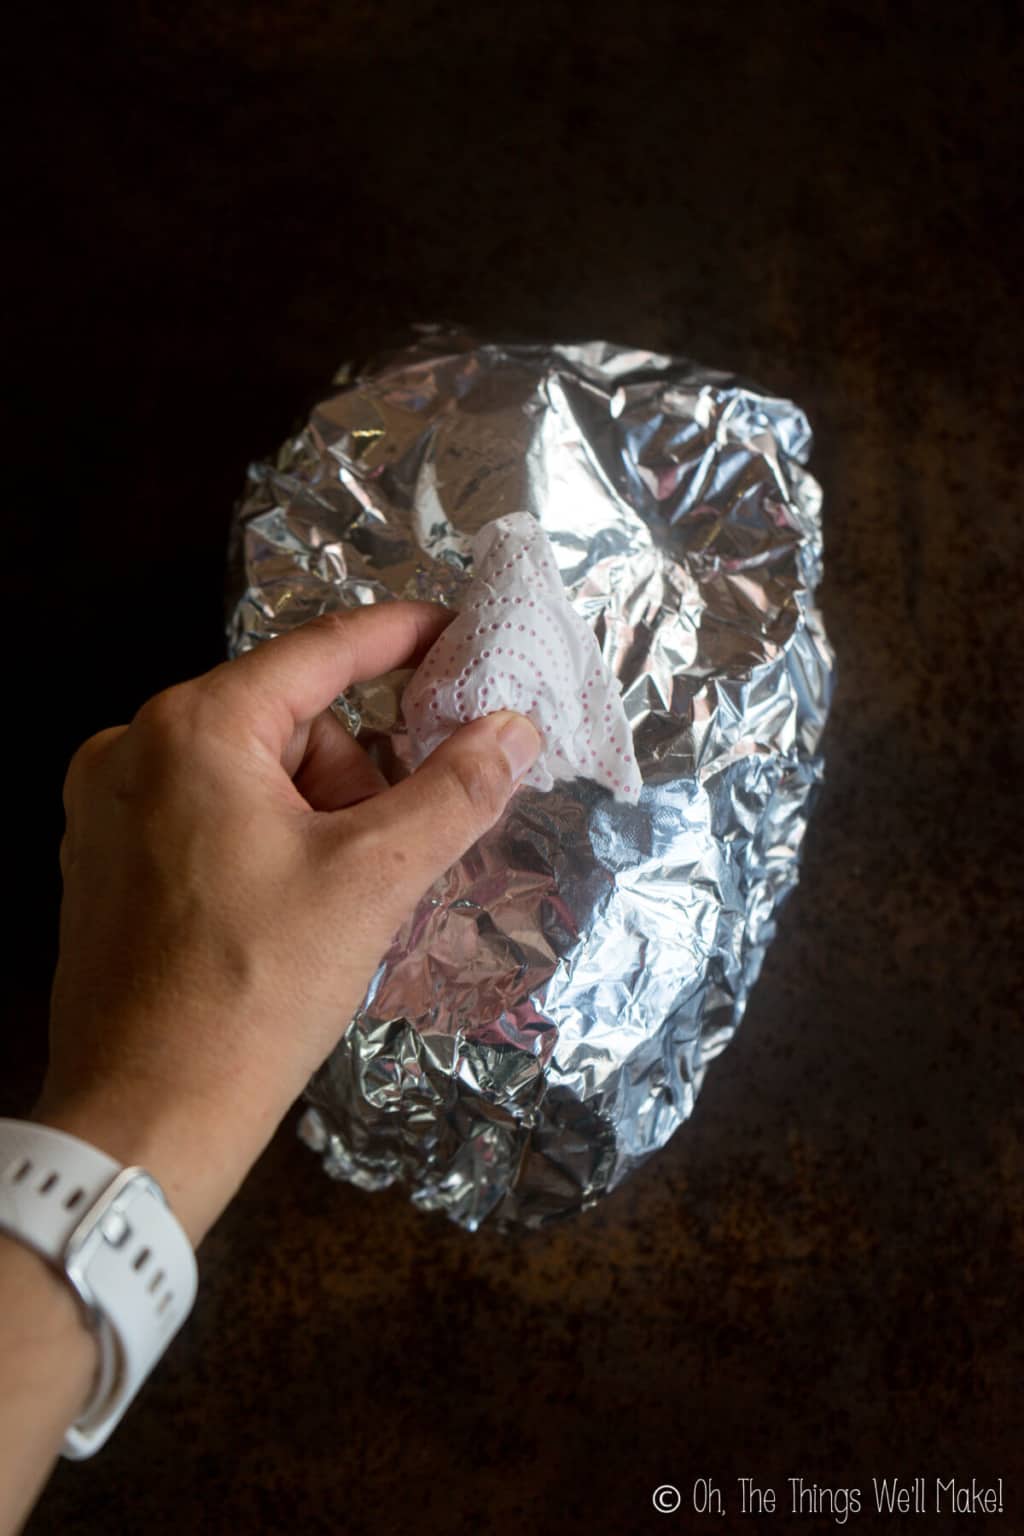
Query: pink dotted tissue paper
(518, 643)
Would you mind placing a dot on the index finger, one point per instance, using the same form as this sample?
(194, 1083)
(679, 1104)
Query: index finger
(296, 676)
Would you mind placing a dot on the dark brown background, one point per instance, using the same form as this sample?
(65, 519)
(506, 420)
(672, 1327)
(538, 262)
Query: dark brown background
(821, 1275)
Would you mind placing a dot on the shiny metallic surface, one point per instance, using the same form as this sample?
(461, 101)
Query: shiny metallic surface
(544, 1021)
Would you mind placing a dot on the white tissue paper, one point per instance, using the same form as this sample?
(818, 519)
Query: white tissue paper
(518, 643)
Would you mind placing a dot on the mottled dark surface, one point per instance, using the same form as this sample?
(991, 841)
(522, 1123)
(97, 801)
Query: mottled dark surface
(821, 1275)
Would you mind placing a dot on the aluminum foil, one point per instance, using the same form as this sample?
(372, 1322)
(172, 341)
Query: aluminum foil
(544, 1021)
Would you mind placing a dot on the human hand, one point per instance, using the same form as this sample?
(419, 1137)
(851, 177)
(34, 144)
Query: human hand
(234, 867)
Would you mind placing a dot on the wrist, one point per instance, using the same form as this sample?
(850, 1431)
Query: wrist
(198, 1153)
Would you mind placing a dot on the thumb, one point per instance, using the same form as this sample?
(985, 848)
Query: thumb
(417, 830)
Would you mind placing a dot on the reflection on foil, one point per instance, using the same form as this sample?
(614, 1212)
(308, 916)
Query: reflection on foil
(544, 1020)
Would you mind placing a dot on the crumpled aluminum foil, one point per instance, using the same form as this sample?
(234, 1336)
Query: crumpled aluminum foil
(544, 1021)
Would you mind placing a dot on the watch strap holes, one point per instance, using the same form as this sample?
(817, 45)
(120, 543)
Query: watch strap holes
(22, 1171)
(141, 1259)
(74, 1199)
(48, 1183)
(157, 1280)
(165, 1301)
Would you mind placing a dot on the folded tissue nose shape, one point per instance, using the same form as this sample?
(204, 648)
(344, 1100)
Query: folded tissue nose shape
(519, 644)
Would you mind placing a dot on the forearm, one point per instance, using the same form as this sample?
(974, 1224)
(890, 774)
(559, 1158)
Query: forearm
(199, 1155)
(50, 1359)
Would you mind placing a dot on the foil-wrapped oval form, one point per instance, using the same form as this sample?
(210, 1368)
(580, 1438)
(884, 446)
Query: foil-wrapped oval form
(544, 1020)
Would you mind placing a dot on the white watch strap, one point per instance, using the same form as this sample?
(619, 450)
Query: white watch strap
(110, 1231)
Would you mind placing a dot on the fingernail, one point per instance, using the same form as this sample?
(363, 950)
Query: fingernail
(520, 742)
